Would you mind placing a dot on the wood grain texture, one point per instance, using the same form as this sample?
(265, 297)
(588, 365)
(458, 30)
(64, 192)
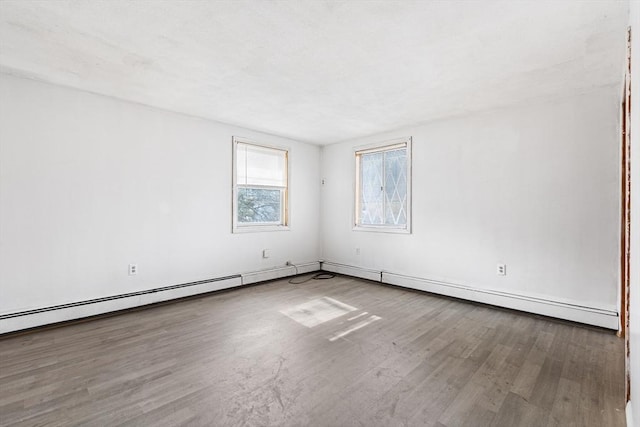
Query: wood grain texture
(232, 359)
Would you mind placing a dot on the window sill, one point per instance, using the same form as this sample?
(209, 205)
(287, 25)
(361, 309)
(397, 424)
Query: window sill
(382, 229)
(259, 228)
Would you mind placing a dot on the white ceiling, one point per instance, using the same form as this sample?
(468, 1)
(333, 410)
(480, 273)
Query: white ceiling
(318, 71)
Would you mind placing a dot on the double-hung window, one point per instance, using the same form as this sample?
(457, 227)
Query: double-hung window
(260, 187)
(383, 187)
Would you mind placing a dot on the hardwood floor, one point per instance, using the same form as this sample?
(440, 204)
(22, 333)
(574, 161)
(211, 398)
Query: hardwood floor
(233, 358)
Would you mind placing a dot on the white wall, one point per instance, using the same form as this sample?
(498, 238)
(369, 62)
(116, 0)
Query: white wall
(634, 309)
(535, 187)
(89, 184)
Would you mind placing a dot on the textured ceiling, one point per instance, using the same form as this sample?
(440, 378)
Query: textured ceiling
(318, 71)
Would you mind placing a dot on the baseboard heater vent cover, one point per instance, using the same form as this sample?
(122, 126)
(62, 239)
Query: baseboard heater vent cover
(597, 316)
(26, 319)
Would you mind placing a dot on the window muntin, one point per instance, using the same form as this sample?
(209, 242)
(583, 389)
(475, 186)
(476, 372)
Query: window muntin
(260, 199)
(383, 187)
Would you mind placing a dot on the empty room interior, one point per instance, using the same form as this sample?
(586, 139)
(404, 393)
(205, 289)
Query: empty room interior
(320, 213)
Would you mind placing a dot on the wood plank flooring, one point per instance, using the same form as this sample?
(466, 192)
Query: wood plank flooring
(233, 359)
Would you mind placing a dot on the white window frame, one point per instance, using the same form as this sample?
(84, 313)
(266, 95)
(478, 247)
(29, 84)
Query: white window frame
(239, 227)
(379, 147)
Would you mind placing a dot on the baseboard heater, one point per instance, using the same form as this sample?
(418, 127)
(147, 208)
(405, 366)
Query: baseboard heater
(11, 322)
(26, 319)
(602, 317)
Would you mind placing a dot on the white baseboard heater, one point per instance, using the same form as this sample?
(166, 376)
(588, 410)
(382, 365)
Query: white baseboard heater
(602, 317)
(27, 319)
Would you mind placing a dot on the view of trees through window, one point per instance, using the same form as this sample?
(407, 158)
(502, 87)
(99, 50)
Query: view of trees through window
(259, 205)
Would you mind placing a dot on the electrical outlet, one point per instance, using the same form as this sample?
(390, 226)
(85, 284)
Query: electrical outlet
(357, 251)
(501, 269)
(133, 269)
(288, 263)
(266, 253)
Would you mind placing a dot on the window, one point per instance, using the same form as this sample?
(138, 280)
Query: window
(260, 187)
(383, 187)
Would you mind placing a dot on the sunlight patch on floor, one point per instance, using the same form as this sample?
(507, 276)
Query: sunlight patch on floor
(355, 327)
(317, 311)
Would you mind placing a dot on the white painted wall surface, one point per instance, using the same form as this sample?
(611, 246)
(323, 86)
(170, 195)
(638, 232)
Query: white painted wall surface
(535, 187)
(634, 300)
(89, 184)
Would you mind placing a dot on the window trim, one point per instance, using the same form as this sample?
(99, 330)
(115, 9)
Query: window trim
(236, 226)
(377, 147)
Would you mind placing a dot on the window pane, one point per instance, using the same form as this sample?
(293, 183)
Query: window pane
(395, 187)
(259, 205)
(371, 194)
(261, 165)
